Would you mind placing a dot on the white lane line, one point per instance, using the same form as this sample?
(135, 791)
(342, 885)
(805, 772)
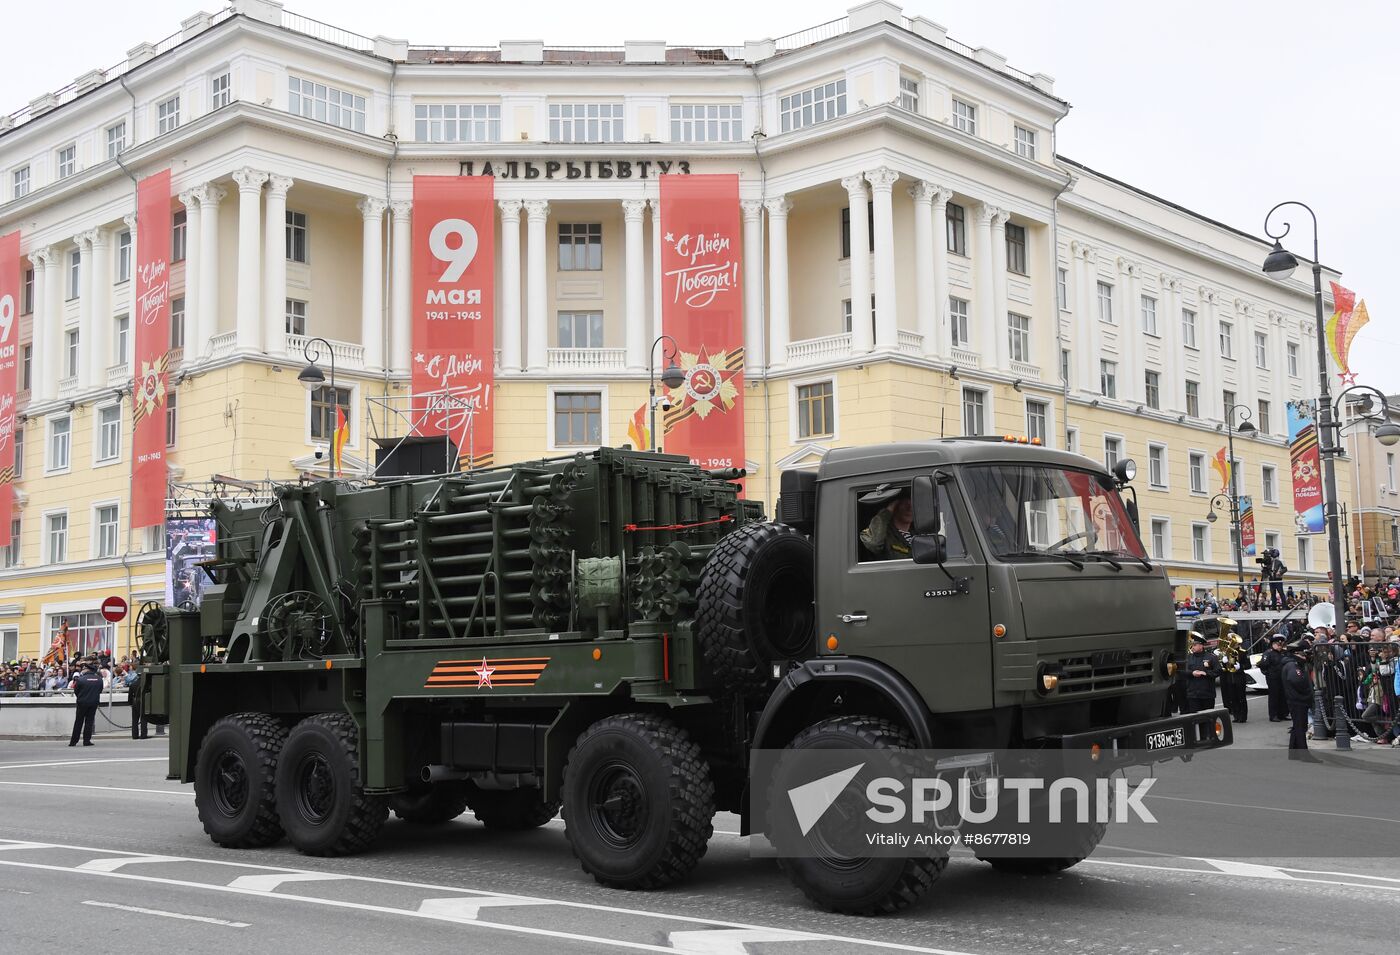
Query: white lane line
(112, 865)
(732, 941)
(466, 910)
(1230, 867)
(1306, 812)
(105, 789)
(169, 915)
(267, 883)
(24, 845)
(1166, 868)
(85, 762)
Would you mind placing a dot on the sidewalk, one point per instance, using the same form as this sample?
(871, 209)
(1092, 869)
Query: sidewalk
(1259, 733)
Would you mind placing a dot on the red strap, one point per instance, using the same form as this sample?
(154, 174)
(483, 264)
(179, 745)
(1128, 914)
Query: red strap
(631, 528)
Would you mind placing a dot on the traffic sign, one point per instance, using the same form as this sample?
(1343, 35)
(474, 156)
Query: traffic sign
(114, 609)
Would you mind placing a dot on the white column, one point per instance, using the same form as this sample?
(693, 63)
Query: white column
(1086, 343)
(275, 266)
(1169, 326)
(1000, 324)
(58, 351)
(1131, 377)
(752, 211)
(942, 335)
(984, 307)
(1212, 383)
(194, 248)
(635, 284)
(656, 319)
(401, 286)
(86, 333)
(510, 284)
(372, 280)
(778, 330)
(103, 330)
(1278, 340)
(882, 182)
(925, 283)
(250, 291)
(209, 196)
(536, 285)
(862, 339)
(44, 386)
(1248, 375)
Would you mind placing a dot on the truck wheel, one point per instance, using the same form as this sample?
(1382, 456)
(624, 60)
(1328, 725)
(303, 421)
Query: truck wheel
(849, 884)
(511, 809)
(432, 805)
(638, 800)
(234, 780)
(1076, 840)
(319, 800)
(755, 603)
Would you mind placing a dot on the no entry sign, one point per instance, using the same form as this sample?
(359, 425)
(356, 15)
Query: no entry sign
(114, 609)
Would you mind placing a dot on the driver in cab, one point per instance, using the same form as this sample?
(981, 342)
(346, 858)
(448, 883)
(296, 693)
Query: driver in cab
(889, 534)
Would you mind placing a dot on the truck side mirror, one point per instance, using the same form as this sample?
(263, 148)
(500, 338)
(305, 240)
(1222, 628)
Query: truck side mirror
(928, 545)
(928, 548)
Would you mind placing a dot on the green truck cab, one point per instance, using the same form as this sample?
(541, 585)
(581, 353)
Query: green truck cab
(620, 632)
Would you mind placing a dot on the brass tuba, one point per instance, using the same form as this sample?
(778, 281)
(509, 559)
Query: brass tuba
(1229, 647)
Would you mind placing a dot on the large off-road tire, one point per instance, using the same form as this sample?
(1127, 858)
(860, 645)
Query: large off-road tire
(431, 805)
(511, 809)
(849, 884)
(638, 802)
(320, 802)
(755, 603)
(1072, 841)
(234, 780)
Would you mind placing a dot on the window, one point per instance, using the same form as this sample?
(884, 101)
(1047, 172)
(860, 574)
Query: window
(1292, 348)
(1227, 401)
(909, 94)
(121, 340)
(1394, 537)
(811, 106)
(1235, 555)
(964, 116)
(846, 228)
(457, 122)
(1390, 471)
(105, 531)
(1149, 315)
(871, 551)
(1108, 379)
(21, 181)
(326, 104)
(1072, 440)
(1159, 538)
(154, 542)
(109, 433)
(816, 410)
(1268, 482)
(1153, 389)
(220, 91)
(1062, 289)
(1200, 543)
(71, 352)
(171, 417)
(1112, 451)
(75, 274)
(1016, 248)
(19, 453)
(168, 116)
(1025, 142)
(178, 236)
(1227, 340)
(1263, 421)
(124, 256)
(1196, 469)
(67, 161)
(177, 322)
(957, 229)
(845, 315)
(585, 122)
(1304, 553)
(580, 246)
(1106, 302)
(324, 401)
(1188, 328)
(296, 317)
(116, 139)
(1064, 364)
(1037, 413)
(1157, 465)
(87, 632)
(1271, 539)
(296, 236)
(707, 122)
(57, 549)
(26, 368)
(9, 557)
(1193, 398)
(580, 329)
(1018, 328)
(957, 321)
(974, 412)
(1261, 350)
(578, 418)
(28, 292)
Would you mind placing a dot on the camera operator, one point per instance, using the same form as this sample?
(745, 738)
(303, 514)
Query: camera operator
(1272, 569)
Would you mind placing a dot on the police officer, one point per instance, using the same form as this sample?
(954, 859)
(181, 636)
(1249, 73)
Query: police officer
(1271, 665)
(87, 685)
(140, 728)
(1202, 669)
(1297, 688)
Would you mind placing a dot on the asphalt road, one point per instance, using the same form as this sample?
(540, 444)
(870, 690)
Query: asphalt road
(99, 852)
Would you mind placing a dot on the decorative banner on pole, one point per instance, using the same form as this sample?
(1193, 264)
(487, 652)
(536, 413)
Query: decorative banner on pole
(702, 309)
(152, 314)
(10, 290)
(1307, 470)
(1246, 505)
(1348, 318)
(1221, 464)
(454, 319)
(637, 430)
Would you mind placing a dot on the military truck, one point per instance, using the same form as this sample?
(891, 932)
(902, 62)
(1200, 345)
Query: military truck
(618, 632)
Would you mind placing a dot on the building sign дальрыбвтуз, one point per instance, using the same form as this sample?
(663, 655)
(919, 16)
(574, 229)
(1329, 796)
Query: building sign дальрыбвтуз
(576, 168)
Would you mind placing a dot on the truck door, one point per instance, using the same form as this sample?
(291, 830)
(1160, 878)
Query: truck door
(933, 628)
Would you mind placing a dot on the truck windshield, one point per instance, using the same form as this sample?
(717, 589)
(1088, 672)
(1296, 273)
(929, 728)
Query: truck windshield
(1026, 511)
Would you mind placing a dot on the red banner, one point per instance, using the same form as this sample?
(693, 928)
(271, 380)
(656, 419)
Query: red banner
(10, 290)
(702, 309)
(151, 310)
(454, 318)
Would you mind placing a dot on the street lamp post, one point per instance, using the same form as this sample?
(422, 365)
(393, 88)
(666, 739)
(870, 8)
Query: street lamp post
(672, 377)
(312, 377)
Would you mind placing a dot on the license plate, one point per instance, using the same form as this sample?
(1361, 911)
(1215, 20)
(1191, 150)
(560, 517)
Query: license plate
(1166, 739)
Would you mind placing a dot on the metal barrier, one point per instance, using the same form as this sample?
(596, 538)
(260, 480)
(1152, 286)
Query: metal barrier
(1354, 689)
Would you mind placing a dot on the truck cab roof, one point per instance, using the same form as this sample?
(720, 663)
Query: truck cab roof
(885, 458)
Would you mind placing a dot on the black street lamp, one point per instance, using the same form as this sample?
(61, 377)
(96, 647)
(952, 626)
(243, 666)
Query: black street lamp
(1245, 426)
(672, 377)
(313, 378)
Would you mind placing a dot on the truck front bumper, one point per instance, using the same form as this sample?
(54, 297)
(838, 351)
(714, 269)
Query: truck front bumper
(1173, 737)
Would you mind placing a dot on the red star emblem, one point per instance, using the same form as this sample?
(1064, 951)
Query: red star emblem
(707, 383)
(483, 674)
(1348, 378)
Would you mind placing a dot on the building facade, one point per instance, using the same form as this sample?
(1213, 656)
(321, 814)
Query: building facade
(919, 262)
(1374, 529)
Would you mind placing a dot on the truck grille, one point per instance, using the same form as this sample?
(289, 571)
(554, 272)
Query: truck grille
(1086, 674)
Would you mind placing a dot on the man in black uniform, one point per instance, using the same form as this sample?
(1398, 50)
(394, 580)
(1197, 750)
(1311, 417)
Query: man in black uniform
(1202, 668)
(88, 687)
(1297, 688)
(1271, 665)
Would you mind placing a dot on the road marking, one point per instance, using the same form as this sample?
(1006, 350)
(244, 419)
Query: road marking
(1306, 812)
(1248, 868)
(466, 910)
(23, 845)
(86, 762)
(1183, 869)
(112, 865)
(732, 941)
(267, 883)
(105, 789)
(169, 915)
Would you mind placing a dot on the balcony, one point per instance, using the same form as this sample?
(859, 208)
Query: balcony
(118, 375)
(348, 355)
(67, 386)
(1022, 370)
(222, 344)
(910, 343)
(815, 351)
(964, 357)
(586, 361)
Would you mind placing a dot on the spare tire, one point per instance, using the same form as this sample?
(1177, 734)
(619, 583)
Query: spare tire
(755, 603)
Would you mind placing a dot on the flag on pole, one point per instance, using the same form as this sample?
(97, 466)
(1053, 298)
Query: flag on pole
(1221, 464)
(342, 435)
(637, 430)
(1348, 318)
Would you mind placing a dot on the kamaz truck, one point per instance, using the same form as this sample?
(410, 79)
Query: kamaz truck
(618, 632)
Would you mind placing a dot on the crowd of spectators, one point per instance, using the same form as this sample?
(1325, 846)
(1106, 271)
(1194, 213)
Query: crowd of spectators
(28, 677)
